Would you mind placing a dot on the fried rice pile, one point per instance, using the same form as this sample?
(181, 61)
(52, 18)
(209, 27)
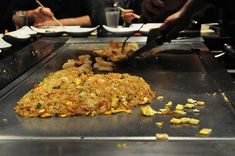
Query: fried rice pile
(78, 91)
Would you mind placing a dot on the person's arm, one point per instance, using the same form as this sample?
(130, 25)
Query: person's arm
(180, 20)
(158, 10)
(81, 21)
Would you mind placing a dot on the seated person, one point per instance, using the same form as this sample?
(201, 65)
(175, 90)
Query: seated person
(162, 8)
(69, 12)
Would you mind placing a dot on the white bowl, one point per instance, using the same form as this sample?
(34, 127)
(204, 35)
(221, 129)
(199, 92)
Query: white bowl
(27, 30)
(18, 36)
(78, 31)
(122, 30)
(4, 44)
(48, 31)
(147, 27)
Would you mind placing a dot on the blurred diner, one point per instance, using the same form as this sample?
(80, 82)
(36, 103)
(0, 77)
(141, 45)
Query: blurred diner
(68, 12)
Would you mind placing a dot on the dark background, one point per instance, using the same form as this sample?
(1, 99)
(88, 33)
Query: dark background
(7, 9)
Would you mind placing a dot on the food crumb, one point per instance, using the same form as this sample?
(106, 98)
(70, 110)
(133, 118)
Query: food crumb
(160, 97)
(5, 120)
(122, 145)
(175, 121)
(179, 107)
(225, 97)
(159, 124)
(196, 110)
(148, 111)
(194, 121)
(190, 100)
(205, 131)
(162, 136)
(169, 104)
(200, 103)
(180, 112)
(189, 105)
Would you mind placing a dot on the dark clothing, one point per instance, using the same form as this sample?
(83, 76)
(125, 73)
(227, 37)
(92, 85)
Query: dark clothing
(69, 8)
(6, 16)
(227, 16)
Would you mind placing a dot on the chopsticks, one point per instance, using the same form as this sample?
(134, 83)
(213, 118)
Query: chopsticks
(53, 17)
(124, 10)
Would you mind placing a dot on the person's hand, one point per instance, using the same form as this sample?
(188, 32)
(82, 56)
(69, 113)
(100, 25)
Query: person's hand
(128, 15)
(41, 15)
(46, 23)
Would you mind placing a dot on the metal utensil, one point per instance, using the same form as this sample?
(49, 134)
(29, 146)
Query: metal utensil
(155, 38)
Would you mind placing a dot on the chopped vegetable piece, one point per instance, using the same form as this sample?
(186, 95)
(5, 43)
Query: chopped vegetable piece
(164, 110)
(108, 113)
(77, 82)
(45, 115)
(200, 103)
(56, 87)
(159, 124)
(180, 112)
(205, 131)
(162, 136)
(160, 97)
(119, 110)
(185, 120)
(41, 111)
(39, 105)
(169, 104)
(175, 121)
(122, 145)
(196, 110)
(63, 115)
(194, 121)
(114, 111)
(5, 120)
(189, 105)
(191, 100)
(128, 111)
(179, 107)
(146, 100)
(148, 111)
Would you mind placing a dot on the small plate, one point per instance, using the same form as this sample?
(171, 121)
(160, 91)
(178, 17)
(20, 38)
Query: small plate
(49, 31)
(147, 27)
(28, 31)
(123, 31)
(78, 31)
(18, 36)
(4, 44)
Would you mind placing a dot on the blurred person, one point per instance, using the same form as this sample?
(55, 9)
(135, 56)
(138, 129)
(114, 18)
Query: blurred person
(69, 12)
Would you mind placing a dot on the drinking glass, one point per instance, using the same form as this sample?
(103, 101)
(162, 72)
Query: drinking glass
(112, 16)
(20, 19)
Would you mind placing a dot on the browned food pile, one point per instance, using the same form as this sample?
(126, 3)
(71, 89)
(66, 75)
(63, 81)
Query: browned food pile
(77, 91)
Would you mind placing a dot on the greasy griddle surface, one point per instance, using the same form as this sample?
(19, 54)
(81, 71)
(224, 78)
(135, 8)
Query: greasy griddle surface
(176, 77)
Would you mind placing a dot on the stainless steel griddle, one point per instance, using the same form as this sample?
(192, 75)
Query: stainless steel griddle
(174, 76)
